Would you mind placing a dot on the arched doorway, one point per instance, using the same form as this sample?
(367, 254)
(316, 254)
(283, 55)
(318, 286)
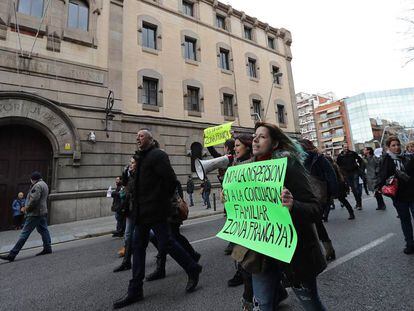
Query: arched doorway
(23, 150)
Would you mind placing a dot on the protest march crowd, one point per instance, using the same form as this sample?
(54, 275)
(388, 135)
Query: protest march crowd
(278, 193)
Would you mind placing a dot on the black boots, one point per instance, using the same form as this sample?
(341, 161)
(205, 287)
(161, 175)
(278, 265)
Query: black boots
(193, 279)
(229, 249)
(126, 262)
(7, 257)
(159, 272)
(44, 252)
(329, 251)
(236, 280)
(129, 300)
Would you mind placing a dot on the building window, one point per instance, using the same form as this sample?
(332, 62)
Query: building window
(228, 105)
(271, 43)
(150, 91)
(190, 48)
(220, 21)
(224, 59)
(252, 68)
(248, 33)
(149, 36)
(188, 8)
(193, 98)
(31, 7)
(257, 108)
(78, 16)
(281, 114)
(277, 79)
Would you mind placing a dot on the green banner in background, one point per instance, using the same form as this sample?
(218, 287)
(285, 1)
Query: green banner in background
(217, 135)
(256, 218)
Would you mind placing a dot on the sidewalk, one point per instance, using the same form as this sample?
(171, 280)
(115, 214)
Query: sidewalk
(88, 228)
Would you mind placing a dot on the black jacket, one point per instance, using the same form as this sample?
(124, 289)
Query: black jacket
(318, 166)
(405, 191)
(154, 186)
(190, 186)
(349, 163)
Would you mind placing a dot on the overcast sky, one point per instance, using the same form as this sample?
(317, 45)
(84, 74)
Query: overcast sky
(344, 46)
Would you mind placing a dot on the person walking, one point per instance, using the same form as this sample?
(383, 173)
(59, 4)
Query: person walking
(323, 182)
(175, 222)
(396, 165)
(17, 208)
(118, 196)
(36, 217)
(350, 164)
(190, 189)
(343, 189)
(206, 192)
(155, 184)
(372, 170)
(308, 261)
(128, 180)
(409, 150)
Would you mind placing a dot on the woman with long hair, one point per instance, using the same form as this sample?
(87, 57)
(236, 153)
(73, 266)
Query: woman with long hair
(308, 261)
(396, 164)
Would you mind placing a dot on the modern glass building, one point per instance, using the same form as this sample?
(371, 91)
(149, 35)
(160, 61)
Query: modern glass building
(392, 105)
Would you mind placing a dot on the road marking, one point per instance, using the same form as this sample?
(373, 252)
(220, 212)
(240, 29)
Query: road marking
(202, 240)
(358, 252)
(205, 219)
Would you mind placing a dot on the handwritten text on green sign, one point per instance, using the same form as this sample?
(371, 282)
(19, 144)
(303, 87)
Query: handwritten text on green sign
(256, 217)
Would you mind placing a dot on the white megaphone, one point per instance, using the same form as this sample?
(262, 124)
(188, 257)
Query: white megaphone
(203, 167)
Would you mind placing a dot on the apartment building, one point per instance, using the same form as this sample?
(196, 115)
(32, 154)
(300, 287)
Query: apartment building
(332, 127)
(79, 78)
(306, 104)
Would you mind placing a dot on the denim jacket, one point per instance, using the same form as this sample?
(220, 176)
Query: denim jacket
(17, 205)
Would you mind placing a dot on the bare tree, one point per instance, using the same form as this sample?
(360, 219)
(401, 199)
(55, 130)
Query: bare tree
(408, 33)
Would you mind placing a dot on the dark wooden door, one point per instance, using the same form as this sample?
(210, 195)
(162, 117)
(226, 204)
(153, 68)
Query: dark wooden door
(22, 150)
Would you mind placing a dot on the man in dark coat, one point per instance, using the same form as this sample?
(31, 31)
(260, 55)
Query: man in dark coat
(154, 187)
(190, 189)
(350, 163)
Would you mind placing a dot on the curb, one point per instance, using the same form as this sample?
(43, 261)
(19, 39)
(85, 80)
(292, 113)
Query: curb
(83, 235)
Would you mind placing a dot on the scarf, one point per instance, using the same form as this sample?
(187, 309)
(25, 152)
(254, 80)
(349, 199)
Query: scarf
(397, 158)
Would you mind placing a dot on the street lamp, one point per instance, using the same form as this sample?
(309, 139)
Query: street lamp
(276, 76)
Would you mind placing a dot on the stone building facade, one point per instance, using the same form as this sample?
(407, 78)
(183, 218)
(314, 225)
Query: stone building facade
(78, 78)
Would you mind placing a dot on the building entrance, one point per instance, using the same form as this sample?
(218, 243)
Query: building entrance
(23, 150)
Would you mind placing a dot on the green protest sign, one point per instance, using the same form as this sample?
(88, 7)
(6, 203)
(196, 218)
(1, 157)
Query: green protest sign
(217, 135)
(256, 218)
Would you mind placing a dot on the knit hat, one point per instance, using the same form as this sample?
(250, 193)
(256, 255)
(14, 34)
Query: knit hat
(36, 176)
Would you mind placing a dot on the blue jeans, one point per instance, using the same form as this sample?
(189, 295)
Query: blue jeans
(353, 182)
(166, 244)
(309, 297)
(265, 288)
(403, 210)
(120, 222)
(266, 293)
(33, 222)
(129, 229)
(190, 195)
(206, 198)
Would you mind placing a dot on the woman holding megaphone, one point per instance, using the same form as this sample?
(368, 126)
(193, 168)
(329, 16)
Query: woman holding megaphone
(270, 142)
